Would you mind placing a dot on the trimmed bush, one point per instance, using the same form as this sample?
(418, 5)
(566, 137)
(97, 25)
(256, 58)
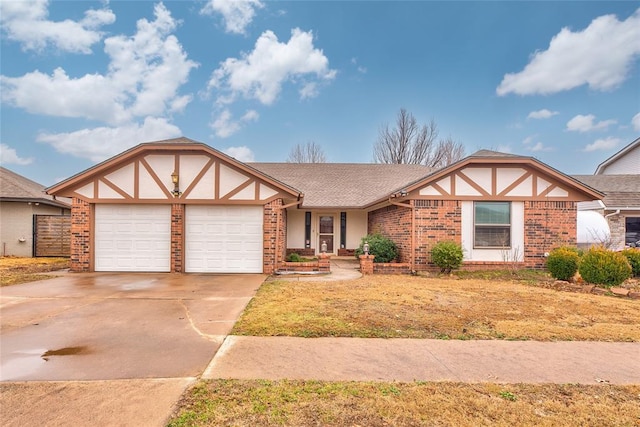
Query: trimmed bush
(447, 256)
(563, 263)
(382, 247)
(603, 267)
(294, 257)
(633, 256)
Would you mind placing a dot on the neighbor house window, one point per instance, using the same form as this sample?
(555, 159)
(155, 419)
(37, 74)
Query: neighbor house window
(492, 224)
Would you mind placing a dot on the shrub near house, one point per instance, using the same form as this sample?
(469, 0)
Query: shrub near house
(603, 267)
(563, 263)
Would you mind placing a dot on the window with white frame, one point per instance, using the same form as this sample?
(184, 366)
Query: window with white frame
(492, 224)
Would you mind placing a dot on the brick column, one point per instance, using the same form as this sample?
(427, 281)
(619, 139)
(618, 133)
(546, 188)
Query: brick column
(324, 263)
(177, 238)
(80, 236)
(366, 264)
(274, 228)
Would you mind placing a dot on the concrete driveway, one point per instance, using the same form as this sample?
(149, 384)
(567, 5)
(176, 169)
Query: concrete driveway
(147, 335)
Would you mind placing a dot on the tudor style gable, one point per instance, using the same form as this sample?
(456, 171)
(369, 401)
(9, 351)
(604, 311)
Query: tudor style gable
(144, 175)
(501, 178)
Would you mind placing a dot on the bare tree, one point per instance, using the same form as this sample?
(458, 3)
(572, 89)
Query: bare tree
(408, 142)
(307, 153)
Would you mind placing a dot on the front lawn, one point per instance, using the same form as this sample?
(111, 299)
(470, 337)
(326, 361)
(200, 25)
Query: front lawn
(15, 270)
(444, 308)
(315, 403)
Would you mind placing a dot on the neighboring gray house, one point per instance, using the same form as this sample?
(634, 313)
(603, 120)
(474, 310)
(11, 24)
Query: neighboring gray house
(23, 205)
(624, 162)
(618, 178)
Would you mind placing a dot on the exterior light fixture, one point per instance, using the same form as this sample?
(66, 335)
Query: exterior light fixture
(323, 247)
(365, 248)
(175, 178)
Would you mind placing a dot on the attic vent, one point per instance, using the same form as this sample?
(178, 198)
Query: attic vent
(429, 203)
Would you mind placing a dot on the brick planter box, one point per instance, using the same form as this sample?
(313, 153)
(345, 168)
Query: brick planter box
(321, 265)
(391, 268)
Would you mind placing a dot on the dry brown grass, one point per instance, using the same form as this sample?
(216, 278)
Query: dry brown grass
(312, 403)
(15, 270)
(418, 307)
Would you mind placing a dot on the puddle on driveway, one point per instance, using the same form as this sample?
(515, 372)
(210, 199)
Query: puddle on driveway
(67, 351)
(25, 363)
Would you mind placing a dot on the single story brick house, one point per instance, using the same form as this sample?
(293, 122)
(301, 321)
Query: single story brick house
(182, 206)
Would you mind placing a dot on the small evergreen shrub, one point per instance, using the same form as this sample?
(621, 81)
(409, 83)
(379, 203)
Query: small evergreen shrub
(294, 257)
(603, 267)
(633, 256)
(382, 247)
(447, 256)
(563, 262)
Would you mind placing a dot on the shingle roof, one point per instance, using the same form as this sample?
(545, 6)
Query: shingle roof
(14, 187)
(621, 191)
(343, 185)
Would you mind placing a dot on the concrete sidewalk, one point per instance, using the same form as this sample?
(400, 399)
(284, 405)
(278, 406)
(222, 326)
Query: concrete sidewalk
(359, 359)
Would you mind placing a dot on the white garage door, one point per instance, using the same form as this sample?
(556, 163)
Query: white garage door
(133, 238)
(223, 239)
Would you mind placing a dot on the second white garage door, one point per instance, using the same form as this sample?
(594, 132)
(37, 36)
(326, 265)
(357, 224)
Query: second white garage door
(223, 239)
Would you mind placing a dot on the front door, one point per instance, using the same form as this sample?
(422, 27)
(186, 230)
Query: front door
(326, 234)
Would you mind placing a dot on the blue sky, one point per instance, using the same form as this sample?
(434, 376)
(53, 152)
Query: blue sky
(82, 81)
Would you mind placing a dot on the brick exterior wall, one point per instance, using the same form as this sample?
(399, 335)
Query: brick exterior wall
(275, 235)
(305, 252)
(435, 221)
(80, 236)
(177, 238)
(393, 222)
(547, 225)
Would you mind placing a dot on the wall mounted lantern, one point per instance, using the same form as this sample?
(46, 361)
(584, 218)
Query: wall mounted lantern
(175, 178)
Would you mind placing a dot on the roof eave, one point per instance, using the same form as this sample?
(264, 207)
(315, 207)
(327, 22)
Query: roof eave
(167, 145)
(616, 156)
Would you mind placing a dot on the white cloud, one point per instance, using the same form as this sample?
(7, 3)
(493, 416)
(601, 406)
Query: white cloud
(26, 22)
(539, 146)
(504, 149)
(528, 140)
(144, 75)
(581, 123)
(635, 121)
(103, 142)
(9, 156)
(225, 126)
(242, 153)
(261, 73)
(603, 144)
(542, 114)
(599, 56)
(237, 14)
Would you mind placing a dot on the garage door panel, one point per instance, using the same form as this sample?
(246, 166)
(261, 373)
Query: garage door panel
(223, 239)
(133, 238)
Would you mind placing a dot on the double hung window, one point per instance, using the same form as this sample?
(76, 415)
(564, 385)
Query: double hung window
(492, 224)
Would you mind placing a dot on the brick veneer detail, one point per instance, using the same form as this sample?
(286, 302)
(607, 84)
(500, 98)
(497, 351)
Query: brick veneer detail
(393, 222)
(80, 260)
(547, 225)
(177, 238)
(275, 224)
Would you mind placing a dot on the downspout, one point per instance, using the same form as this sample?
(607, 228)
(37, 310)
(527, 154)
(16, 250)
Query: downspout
(617, 212)
(413, 227)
